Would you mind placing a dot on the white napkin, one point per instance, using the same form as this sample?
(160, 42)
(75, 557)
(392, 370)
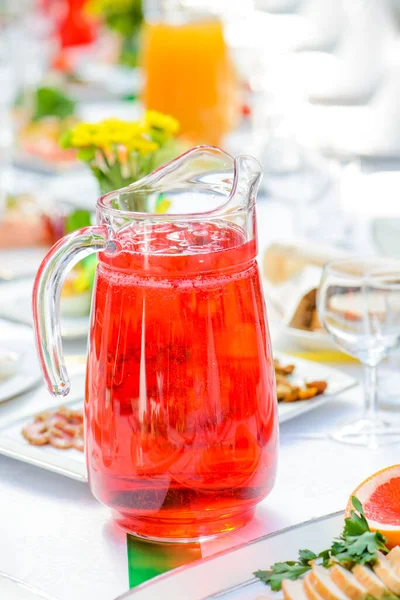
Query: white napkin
(286, 297)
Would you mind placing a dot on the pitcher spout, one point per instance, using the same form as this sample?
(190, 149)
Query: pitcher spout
(248, 174)
(203, 181)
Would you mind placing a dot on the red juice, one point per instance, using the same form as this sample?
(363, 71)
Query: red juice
(181, 413)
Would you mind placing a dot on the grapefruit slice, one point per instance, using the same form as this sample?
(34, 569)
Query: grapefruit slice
(380, 497)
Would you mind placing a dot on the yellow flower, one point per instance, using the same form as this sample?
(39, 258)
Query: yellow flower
(99, 7)
(141, 145)
(134, 136)
(83, 134)
(163, 206)
(157, 120)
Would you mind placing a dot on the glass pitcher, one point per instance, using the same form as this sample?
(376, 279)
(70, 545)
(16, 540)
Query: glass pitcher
(188, 69)
(180, 407)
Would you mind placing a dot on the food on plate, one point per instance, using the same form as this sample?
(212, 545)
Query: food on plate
(306, 315)
(288, 391)
(283, 369)
(61, 429)
(363, 563)
(42, 119)
(42, 140)
(292, 276)
(380, 497)
(24, 223)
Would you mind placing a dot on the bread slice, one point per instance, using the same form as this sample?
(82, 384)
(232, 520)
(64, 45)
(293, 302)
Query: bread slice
(346, 581)
(324, 585)
(293, 590)
(386, 573)
(309, 589)
(371, 582)
(394, 559)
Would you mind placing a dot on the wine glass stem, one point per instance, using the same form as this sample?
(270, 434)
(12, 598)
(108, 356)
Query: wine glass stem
(371, 400)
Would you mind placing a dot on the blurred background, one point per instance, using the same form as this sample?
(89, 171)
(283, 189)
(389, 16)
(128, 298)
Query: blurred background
(311, 88)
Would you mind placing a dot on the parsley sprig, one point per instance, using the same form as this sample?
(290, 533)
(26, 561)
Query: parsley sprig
(356, 545)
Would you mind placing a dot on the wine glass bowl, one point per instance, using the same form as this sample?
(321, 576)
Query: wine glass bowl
(359, 305)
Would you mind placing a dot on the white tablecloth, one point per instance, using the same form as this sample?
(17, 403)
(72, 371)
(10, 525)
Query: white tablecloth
(55, 536)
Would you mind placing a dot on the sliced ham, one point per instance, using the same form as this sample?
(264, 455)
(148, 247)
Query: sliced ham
(36, 433)
(58, 438)
(61, 429)
(79, 443)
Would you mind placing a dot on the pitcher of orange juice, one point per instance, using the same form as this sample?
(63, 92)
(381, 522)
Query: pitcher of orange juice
(188, 70)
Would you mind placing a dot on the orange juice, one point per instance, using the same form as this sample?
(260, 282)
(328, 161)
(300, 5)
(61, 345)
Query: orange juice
(189, 74)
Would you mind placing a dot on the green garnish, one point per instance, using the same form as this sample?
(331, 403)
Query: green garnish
(77, 219)
(290, 569)
(52, 102)
(356, 545)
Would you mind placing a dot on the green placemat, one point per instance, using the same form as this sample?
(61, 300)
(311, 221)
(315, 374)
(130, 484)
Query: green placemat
(147, 559)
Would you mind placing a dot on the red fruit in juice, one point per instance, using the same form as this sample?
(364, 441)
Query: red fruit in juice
(181, 413)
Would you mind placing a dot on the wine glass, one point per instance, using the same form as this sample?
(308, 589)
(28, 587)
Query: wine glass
(359, 305)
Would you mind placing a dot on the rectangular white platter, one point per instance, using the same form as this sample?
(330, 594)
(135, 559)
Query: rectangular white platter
(308, 370)
(71, 463)
(229, 575)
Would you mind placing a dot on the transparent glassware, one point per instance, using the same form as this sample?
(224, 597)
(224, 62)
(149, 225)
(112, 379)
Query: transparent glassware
(188, 69)
(359, 305)
(389, 382)
(180, 409)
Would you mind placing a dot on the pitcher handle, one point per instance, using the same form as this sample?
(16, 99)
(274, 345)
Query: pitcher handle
(46, 300)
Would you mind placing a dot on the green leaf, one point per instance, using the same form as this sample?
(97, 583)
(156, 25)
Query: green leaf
(86, 154)
(77, 220)
(263, 575)
(282, 567)
(89, 263)
(357, 505)
(65, 139)
(356, 545)
(52, 102)
(355, 525)
(306, 555)
(337, 547)
(325, 556)
(274, 577)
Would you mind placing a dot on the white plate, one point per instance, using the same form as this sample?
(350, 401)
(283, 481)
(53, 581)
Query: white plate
(29, 162)
(307, 370)
(16, 304)
(15, 589)
(28, 372)
(229, 574)
(70, 463)
(308, 340)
